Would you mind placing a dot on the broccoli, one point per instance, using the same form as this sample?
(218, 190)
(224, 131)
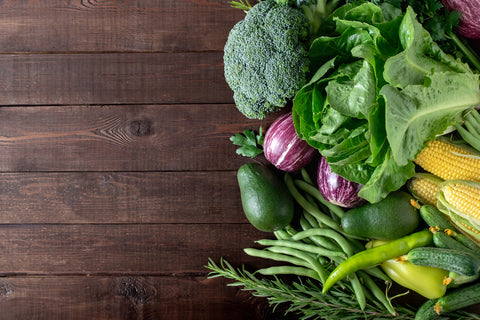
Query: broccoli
(266, 58)
(266, 55)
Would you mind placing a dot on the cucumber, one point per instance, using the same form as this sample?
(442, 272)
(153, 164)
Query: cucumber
(453, 300)
(388, 219)
(435, 218)
(266, 201)
(442, 240)
(458, 261)
(457, 280)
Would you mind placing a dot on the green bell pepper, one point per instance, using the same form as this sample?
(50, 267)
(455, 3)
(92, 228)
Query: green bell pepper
(426, 281)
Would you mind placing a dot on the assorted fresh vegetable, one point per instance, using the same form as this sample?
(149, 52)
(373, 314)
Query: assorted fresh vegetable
(379, 101)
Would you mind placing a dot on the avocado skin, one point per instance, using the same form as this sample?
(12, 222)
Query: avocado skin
(266, 201)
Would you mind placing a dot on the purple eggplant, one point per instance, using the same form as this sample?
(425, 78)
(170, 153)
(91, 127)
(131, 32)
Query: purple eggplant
(470, 15)
(283, 148)
(336, 189)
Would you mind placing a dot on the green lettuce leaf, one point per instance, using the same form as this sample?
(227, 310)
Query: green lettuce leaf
(387, 177)
(354, 94)
(419, 113)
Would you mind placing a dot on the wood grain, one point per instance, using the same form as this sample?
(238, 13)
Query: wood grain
(112, 249)
(113, 78)
(121, 138)
(116, 25)
(137, 297)
(120, 197)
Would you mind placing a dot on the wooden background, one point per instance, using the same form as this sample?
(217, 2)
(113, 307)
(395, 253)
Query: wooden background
(117, 176)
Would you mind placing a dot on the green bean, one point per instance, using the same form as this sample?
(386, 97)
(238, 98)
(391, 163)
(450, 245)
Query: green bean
(474, 116)
(314, 192)
(377, 292)
(358, 291)
(356, 244)
(290, 231)
(378, 273)
(306, 176)
(275, 256)
(301, 246)
(299, 271)
(297, 253)
(338, 238)
(281, 235)
(311, 219)
(305, 226)
(473, 128)
(311, 260)
(327, 243)
(468, 137)
(323, 218)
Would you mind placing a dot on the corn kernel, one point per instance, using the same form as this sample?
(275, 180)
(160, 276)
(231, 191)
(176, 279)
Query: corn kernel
(449, 161)
(424, 187)
(465, 198)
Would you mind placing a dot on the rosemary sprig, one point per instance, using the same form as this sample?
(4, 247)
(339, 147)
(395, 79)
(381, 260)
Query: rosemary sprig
(304, 297)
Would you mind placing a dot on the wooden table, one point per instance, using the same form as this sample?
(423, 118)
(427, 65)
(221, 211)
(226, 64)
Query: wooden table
(117, 176)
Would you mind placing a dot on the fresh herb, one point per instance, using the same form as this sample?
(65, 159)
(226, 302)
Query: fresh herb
(250, 143)
(303, 296)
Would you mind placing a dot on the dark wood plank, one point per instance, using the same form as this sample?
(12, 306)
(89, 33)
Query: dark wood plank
(112, 78)
(135, 249)
(118, 298)
(121, 138)
(127, 25)
(105, 197)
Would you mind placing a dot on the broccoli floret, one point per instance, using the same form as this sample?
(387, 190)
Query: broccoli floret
(266, 57)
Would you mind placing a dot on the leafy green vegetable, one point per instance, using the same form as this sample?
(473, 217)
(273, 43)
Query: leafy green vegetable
(249, 142)
(440, 22)
(383, 90)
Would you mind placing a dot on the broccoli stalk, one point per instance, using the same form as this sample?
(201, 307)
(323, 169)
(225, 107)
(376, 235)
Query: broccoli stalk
(316, 11)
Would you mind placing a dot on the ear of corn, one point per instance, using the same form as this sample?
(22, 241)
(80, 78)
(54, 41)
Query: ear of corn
(424, 186)
(460, 200)
(448, 160)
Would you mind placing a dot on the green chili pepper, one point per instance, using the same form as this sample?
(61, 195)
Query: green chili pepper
(375, 256)
(429, 282)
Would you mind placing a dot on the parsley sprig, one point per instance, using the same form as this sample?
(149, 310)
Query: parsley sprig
(251, 144)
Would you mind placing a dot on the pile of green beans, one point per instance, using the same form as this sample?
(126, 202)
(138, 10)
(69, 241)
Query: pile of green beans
(318, 245)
